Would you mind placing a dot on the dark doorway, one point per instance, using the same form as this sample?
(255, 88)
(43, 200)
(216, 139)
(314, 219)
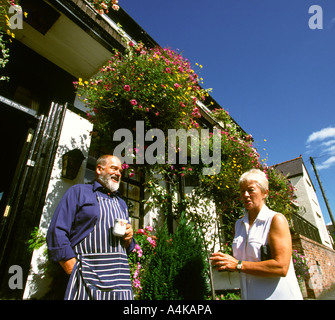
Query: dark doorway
(14, 129)
(30, 151)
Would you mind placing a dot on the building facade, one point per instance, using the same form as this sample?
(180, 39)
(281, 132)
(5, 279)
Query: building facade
(307, 200)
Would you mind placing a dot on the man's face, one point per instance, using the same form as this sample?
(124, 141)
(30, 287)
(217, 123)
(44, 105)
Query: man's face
(109, 175)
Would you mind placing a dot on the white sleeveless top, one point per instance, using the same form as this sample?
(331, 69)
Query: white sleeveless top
(246, 247)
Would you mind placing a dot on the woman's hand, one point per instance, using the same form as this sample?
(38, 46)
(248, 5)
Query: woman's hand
(223, 262)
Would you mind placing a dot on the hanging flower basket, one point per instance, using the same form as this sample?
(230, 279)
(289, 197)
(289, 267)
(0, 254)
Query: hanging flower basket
(157, 86)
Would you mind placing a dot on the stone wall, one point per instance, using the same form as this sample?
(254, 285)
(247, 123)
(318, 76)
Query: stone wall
(321, 262)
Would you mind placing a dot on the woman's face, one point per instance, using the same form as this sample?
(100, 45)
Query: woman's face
(252, 196)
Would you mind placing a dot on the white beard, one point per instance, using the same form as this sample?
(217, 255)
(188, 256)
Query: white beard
(106, 181)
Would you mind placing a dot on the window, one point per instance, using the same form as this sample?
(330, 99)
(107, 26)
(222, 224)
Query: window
(131, 188)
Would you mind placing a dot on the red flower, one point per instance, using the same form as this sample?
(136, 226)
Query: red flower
(126, 87)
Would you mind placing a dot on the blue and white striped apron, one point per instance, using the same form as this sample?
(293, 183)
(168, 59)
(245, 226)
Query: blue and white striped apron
(102, 268)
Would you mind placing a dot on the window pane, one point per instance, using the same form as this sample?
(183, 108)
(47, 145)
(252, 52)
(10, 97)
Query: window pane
(123, 189)
(134, 208)
(135, 223)
(133, 192)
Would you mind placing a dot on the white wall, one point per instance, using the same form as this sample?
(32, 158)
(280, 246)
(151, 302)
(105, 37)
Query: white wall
(75, 135)
(307, 198)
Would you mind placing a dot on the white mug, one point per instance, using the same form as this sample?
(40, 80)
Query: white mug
(120, 227)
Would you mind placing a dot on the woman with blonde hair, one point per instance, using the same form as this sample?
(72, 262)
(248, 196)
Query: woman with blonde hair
(260, 230)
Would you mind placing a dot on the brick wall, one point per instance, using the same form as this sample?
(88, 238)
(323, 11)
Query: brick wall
(321, 262)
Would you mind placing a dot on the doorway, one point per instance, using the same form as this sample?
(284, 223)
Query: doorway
(14, 132)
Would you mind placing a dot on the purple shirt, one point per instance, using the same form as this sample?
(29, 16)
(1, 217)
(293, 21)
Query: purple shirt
(74, 219)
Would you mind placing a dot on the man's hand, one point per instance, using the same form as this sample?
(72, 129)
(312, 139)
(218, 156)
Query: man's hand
(68, 265)
(128, 235)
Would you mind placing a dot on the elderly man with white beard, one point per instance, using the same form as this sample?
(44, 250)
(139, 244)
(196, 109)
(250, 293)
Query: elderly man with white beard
(80, 237)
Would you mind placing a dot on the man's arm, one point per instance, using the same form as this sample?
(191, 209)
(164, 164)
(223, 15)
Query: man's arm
(58, 241)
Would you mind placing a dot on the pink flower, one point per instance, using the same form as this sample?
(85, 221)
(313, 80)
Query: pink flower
(141, 231)
(131, 43)
(176, 85)
(125, 166)
(139, 250)
(157, 113)
(153, 243)
(149, 228)
(133, 102)
(126, 87)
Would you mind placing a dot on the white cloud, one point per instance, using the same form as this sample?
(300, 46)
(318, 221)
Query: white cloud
(322, 144)
(328, 143)
(330, 150)
(326, 164)
(322, 135)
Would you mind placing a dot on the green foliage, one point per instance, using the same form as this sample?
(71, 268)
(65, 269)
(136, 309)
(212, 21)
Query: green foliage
(281, 193)
(141, 256)
(178, 268)
(37, 240)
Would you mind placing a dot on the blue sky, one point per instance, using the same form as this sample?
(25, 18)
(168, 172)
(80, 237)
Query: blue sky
(271, 71)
